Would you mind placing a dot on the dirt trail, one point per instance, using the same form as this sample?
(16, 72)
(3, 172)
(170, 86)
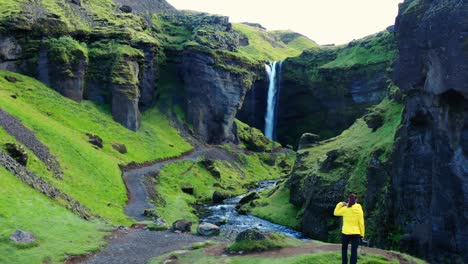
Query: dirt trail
(140, 246)
(134, 180)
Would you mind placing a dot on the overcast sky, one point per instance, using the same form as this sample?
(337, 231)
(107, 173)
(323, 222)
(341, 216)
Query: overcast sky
(325, 21)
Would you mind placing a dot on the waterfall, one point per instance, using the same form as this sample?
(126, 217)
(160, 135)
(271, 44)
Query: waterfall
(273, 91)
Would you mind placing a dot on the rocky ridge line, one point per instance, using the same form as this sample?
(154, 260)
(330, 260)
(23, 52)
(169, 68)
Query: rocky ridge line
(15, 128)
(43, 187)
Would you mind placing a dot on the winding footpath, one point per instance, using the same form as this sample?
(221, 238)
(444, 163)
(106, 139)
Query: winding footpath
(134, 180)
(138, 246)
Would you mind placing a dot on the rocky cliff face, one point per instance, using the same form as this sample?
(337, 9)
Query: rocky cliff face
(255, 104)
(92, 57)
(213, 97)
(411, 181)
(430, 165)
(325, 89)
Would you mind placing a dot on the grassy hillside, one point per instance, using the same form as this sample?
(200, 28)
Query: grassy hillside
(59, 232)
(272, 46)
(92, 176)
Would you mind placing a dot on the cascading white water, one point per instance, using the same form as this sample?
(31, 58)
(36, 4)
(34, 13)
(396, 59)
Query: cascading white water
(270, 116)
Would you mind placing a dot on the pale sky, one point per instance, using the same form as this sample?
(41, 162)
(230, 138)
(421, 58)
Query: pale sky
(325, 21)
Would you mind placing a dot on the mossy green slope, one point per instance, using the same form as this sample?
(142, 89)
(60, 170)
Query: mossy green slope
(59, 232)
(92, 176)
(272, 45)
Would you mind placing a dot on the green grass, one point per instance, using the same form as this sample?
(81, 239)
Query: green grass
(272, 241)
(199, 257)
(59, 231)
(277, 209)
(267, 46)
(91, 176)
(373, 49)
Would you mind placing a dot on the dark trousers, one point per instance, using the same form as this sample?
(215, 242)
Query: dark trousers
(345, 239)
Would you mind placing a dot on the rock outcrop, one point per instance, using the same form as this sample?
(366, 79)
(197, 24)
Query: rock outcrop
(430, 165)
(213, 97)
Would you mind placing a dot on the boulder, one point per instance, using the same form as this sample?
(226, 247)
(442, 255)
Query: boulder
(188, 190)
(126, 9)
(150, 213)
(219, 197)
(23, 237)
(76, 2)
(374, 121)
(329, 163)
(182, 226)
(251, 235)
(207, 229)
(17, 152)
(11, 79)
(249, 197)
(95, 140)
(159, 225)
(211, 167)
(308, 140)
(120, 147)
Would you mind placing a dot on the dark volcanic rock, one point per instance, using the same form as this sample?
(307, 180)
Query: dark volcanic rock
(249, 197)
(308, 140)
(182, 226)
(219, 197)
(66, 78)
(255, 104)
(211, 167)
(251, 235)
(213, 97)
(148, 77)
(95, 140)
(150, 213)
(17, 152)
(430, 165)
(120, 147)
(126, 9)
(188, 190)
(11, 79)
(374, 121)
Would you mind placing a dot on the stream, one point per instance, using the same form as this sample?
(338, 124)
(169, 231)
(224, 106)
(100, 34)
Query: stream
(234, 222)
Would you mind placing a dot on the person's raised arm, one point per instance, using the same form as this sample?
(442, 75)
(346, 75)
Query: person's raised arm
(339, 209)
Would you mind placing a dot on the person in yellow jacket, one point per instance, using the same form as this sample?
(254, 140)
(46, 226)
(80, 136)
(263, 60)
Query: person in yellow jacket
(353, 227)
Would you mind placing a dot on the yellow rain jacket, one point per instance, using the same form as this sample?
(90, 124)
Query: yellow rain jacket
(353, 219)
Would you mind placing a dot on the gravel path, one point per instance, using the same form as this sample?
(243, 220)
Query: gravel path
(15, 128)
(139, 246)
(137, 192)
